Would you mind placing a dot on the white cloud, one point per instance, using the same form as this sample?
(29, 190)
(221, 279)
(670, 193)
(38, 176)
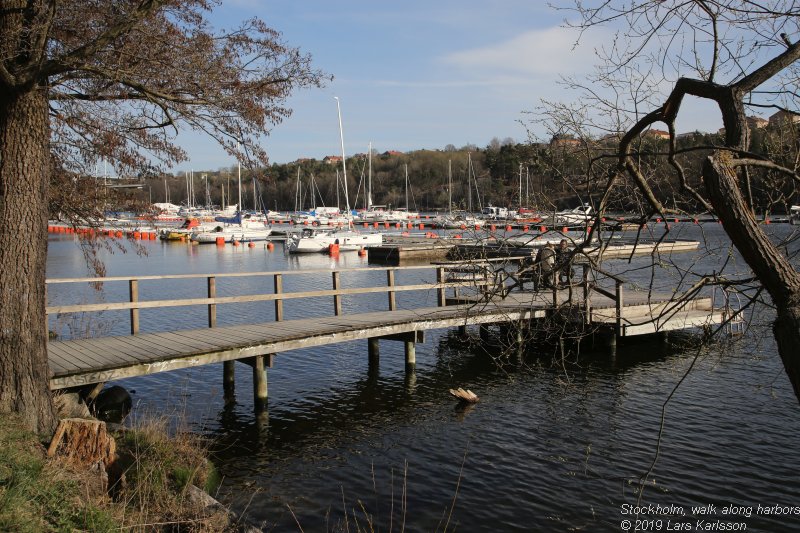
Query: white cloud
(548, 52)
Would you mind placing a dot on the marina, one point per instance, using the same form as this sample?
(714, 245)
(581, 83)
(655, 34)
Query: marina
(333, 419)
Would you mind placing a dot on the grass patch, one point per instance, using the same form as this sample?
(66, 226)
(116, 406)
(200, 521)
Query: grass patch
(149, 491)
(39, 495)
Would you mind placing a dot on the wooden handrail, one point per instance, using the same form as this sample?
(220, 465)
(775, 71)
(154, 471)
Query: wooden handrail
(55, 281)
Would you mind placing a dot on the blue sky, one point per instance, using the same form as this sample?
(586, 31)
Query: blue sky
(412, 74)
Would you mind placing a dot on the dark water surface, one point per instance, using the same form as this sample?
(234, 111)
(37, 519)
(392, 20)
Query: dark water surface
(550, 447)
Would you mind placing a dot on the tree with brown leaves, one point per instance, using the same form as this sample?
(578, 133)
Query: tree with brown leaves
(83, 80)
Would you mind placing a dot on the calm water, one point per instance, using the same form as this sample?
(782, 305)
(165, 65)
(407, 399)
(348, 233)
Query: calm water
(550, 447)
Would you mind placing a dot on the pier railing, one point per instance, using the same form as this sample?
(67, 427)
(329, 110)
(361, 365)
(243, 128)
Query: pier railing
(446, 277)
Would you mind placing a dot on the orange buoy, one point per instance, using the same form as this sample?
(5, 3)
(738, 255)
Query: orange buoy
(696, 221)
(493, 228)
(766, 221)
(508, 227)
(457, 236)
(220, 241)
(374, 224)
(421, 226)
(118, 233)
(362, 251)
(235, 242)
(251, 244)
(270, 246)
(543, 229)
(397, 225)
(385, 224)
(137, 235)
(463, 226)
(564, 229)
(366, 224)
(333, 249)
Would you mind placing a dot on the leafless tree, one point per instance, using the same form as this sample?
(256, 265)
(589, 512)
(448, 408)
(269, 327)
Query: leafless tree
(738, 55)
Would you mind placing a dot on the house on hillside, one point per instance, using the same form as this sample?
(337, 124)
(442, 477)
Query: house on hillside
(332, 159)
(783, 117)
(564, 140)
(657, 134)
(757, 122)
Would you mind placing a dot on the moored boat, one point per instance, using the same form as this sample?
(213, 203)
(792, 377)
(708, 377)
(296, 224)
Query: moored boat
(316, 240)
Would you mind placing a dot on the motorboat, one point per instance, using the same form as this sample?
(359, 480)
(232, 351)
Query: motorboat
(458, 220)
(317, 240)
(578, 215)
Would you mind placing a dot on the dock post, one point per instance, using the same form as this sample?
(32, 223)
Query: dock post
(411, 356)
(260, 382)
(484, 333)
(462, 330)
(228, 381)
(374, 349)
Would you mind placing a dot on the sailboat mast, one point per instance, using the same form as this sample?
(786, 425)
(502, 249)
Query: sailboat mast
(338, 203)
(469, 184)
(255, 201)
(344, 165)
(449, 186)
(407, 208)
(239, 161)
(369, 178)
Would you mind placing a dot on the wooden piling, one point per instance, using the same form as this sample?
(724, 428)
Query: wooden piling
(373, 347)
(260, 391)
(228, 381)
(411, 356)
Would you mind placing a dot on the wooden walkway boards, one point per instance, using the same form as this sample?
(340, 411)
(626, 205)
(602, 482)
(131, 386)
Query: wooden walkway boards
(96, 360)
(87, 361)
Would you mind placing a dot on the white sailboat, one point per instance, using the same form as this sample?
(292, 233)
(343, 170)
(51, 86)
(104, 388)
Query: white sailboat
(315, 240)
(242, 227)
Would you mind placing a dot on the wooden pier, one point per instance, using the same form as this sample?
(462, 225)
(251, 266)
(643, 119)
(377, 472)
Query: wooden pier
(466, 293)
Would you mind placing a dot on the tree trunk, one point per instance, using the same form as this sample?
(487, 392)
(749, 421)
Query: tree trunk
(24, 172)
(772, 267)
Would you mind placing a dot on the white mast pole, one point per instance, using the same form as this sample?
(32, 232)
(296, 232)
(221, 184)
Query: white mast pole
(238, 159)
(369, 178)
(344, 166)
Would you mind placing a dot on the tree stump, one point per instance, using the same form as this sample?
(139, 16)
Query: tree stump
(82, 442)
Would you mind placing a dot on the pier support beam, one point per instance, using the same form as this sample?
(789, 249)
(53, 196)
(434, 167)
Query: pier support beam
(260, 363)
(484, 333)
(374, 350)
(462, 330)
(228, 381)
(411, 357)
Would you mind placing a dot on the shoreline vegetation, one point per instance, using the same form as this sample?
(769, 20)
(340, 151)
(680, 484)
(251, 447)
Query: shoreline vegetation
(155, 482)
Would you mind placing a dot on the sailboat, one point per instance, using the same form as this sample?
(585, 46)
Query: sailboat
(242, 227)
(315, 239)
(459, 219)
